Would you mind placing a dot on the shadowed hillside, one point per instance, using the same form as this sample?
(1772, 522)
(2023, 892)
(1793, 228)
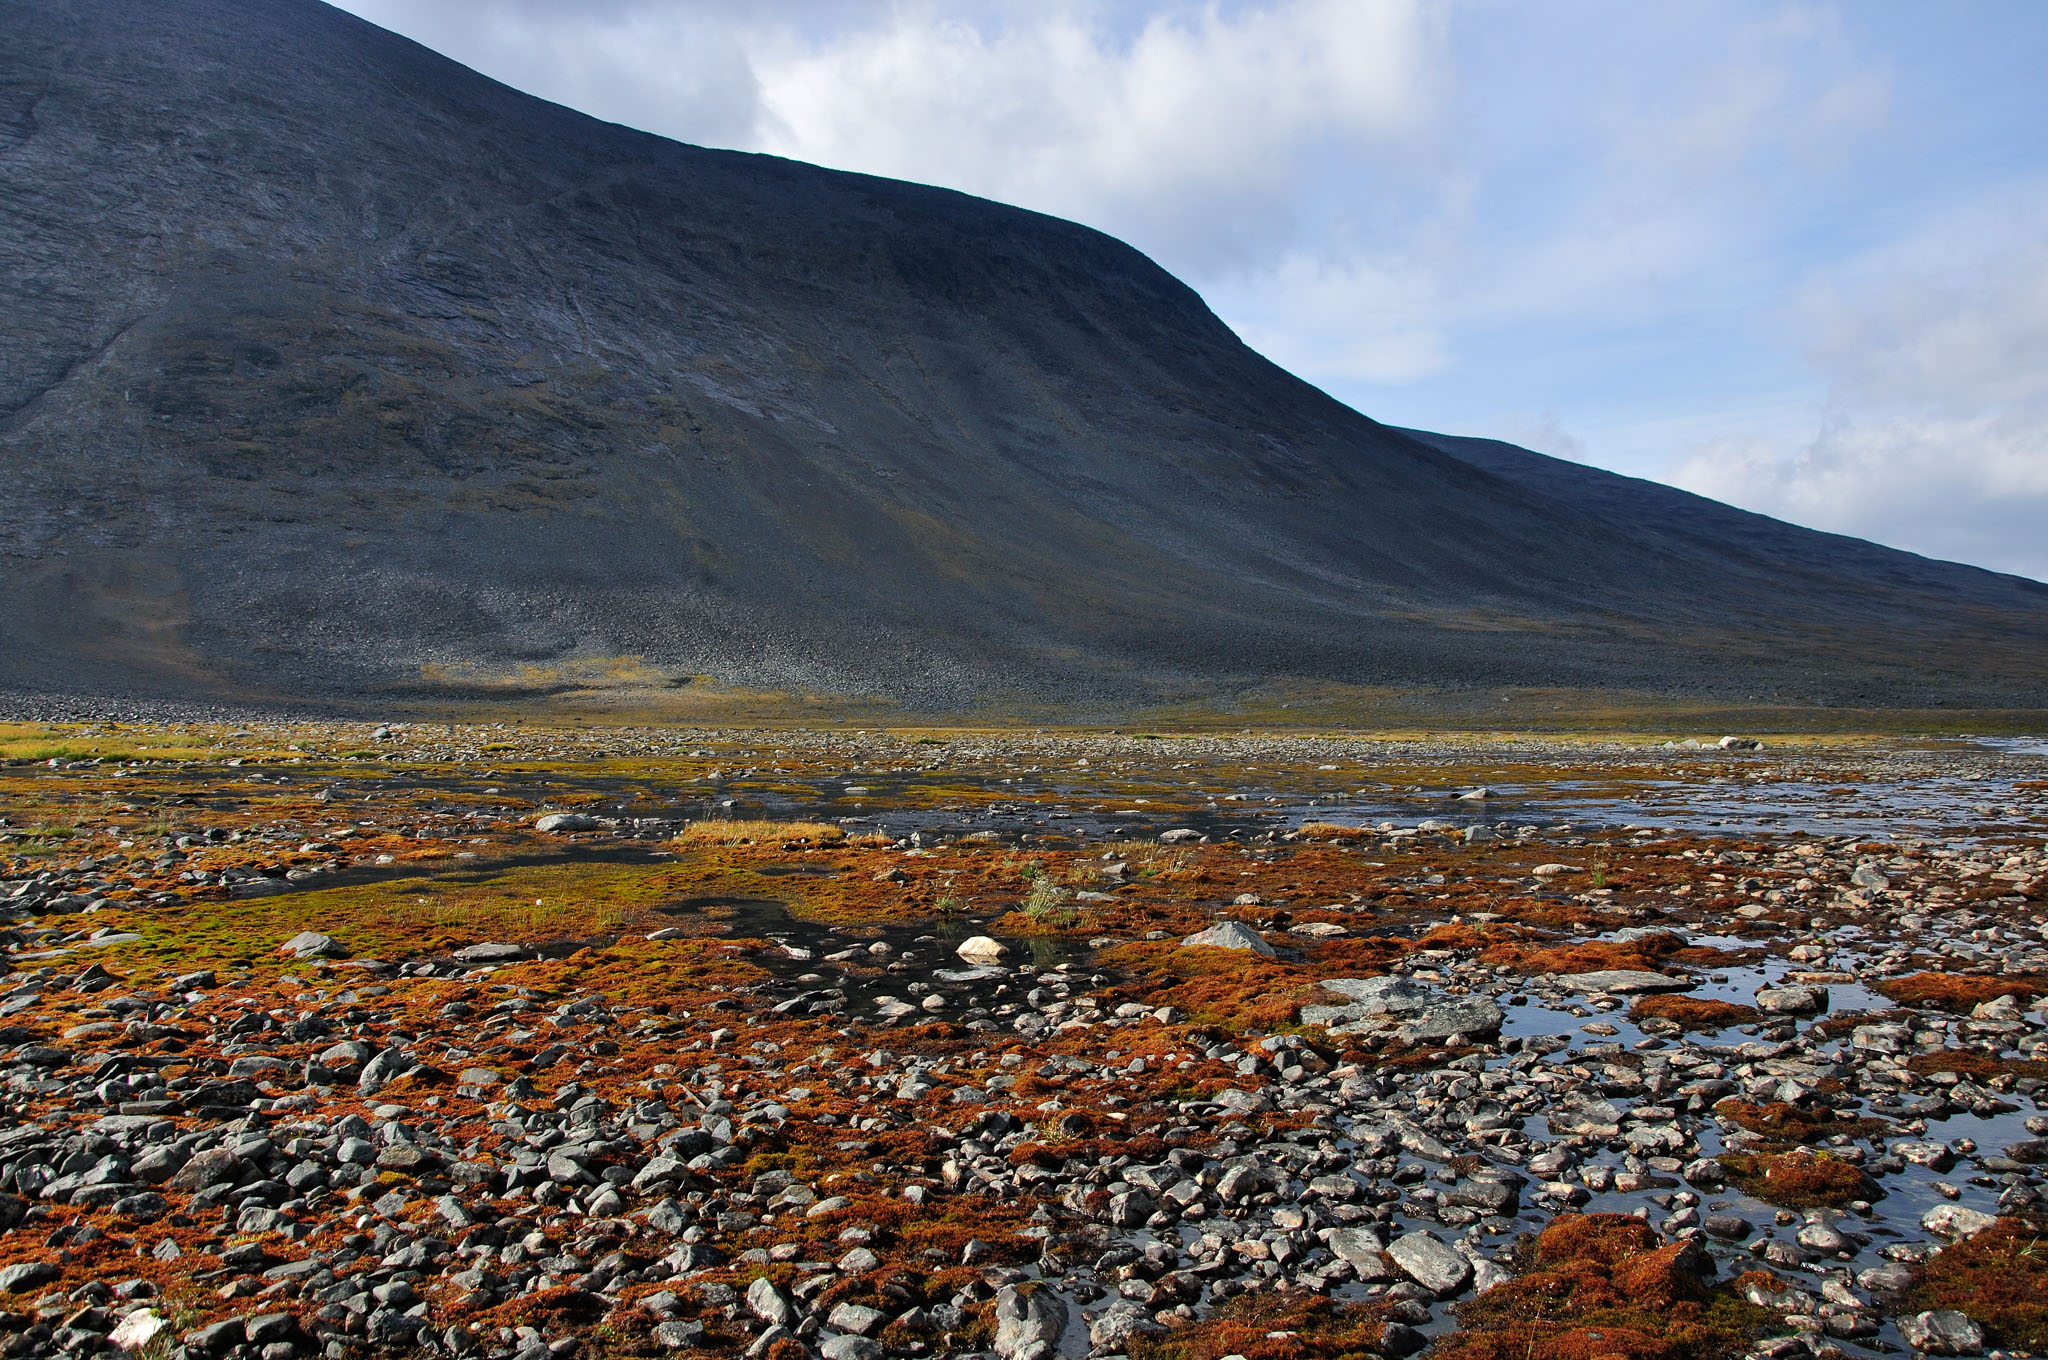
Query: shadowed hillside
(330, 368)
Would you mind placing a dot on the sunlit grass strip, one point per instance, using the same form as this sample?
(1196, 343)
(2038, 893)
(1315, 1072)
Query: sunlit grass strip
(744, 832)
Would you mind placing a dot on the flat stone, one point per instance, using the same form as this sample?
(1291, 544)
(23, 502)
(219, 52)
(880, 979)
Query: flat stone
(850, 1347)
(1357, 1245)
(492, 952)
(1381, 995)
(138, 1329)
(1450, 1018)
(857, 1318)
(1626, 982)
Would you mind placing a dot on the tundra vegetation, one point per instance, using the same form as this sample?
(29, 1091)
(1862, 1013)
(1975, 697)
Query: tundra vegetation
(519, 1041)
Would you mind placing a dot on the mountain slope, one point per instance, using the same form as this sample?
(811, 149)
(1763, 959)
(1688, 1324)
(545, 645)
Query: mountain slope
(332, 368)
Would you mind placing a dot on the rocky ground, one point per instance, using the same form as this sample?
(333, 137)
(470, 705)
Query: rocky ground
(346, 1039)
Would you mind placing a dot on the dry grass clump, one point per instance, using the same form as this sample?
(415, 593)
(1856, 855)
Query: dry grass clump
(1999, 1277)
(1333, 832)
(1956, 991)
(1799, 1179)
(752, 832)
(1693, 1013)
(1600, 1285)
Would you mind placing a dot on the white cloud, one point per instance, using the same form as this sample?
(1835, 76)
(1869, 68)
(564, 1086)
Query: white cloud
(1954, 315)
(1543, 432)
(1333, 322)
(1935, 436)
(1196, 138)
(1971, 489)
(679, 70)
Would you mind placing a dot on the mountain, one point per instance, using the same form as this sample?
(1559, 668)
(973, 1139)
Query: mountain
(331, 369)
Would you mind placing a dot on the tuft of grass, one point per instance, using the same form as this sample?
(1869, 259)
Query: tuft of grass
(1046, 903)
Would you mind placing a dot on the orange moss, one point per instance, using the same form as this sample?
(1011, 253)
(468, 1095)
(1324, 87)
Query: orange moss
(1693, 1013)
(1601, 1285)
(1226, 987)
(1269, 1326)
(1999, 1278)
(1956, 991)
(1796, 1124)
(1798, 1179)
(1590, 956)
(1979, 1066)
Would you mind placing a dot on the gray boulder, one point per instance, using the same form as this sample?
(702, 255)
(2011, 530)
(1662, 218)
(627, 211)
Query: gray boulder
(1029, 1322)
(1230, 935)
(770, 1304)
(27, 1275)
(1796, 1000)
(1942, 1332)
(1464, 1015)
(309, 944)
(1425, 1259)
(388, 1066)
(1118, 1323)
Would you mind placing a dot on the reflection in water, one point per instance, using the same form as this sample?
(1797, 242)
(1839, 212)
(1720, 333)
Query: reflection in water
(1047, 952)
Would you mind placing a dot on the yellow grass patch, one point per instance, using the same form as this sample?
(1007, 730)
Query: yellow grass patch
(740, 832)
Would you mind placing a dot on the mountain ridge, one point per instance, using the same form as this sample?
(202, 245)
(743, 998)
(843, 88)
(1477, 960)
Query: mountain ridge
(332, 367)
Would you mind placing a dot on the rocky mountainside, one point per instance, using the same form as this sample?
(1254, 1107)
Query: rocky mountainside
(330, 368)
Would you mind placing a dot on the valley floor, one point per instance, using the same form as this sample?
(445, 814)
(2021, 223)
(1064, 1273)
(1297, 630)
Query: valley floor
(512, 1040)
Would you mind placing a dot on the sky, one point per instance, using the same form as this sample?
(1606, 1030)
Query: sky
(1793, 256)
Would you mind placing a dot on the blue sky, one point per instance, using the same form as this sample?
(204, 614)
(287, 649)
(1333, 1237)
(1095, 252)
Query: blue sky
(1790, 255)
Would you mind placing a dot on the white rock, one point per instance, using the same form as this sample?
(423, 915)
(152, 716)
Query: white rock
(982, 949)
(566, 821)
(138, 1329)
(1955, 1222)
